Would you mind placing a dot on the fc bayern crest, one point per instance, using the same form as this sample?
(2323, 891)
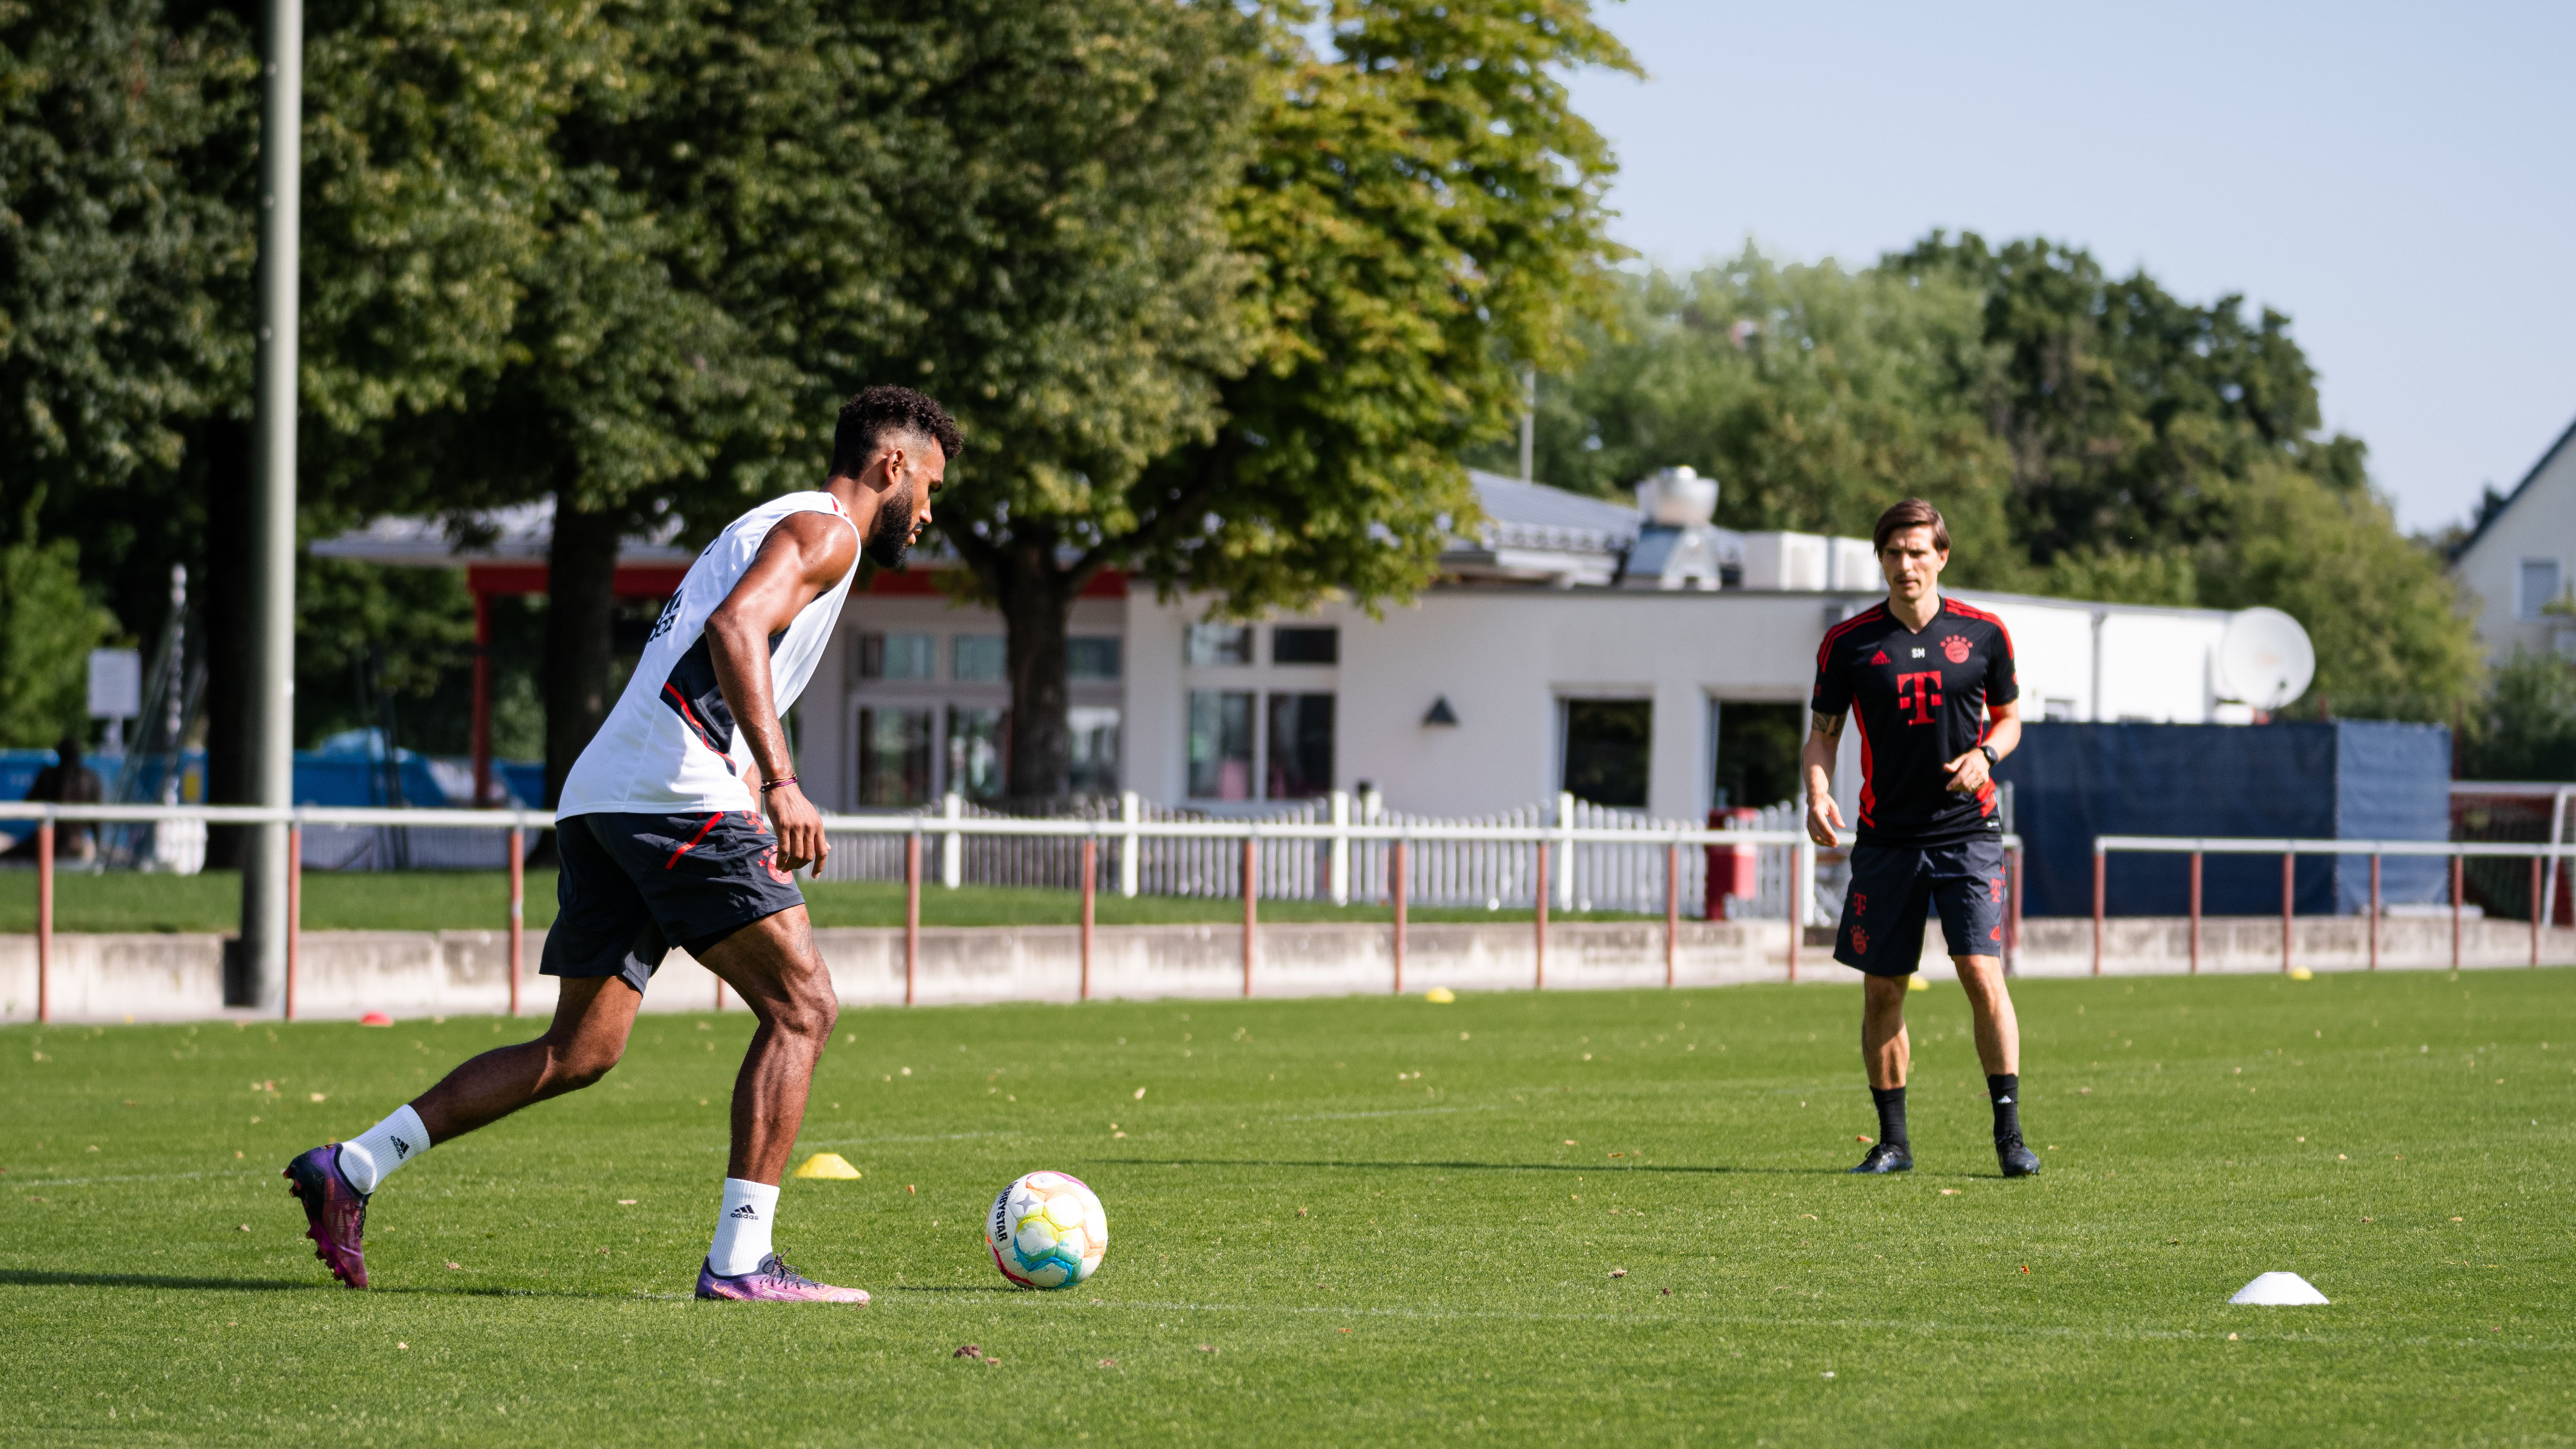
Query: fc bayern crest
(1956, 648)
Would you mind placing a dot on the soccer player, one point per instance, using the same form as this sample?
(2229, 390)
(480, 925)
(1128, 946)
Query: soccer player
(662, 843)
(1933, 682)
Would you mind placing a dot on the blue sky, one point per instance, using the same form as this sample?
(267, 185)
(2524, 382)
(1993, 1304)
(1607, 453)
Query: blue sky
(2400, 181)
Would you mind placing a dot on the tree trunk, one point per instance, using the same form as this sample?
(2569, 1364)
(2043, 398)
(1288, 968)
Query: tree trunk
(581, 594)
(1036, 602)
(224, 590)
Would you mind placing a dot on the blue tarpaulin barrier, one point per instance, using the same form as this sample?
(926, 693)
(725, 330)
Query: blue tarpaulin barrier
(321, 778)
(2339, 780)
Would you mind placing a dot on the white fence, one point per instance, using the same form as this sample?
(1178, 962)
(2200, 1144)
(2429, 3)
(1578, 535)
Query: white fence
(1339, 849)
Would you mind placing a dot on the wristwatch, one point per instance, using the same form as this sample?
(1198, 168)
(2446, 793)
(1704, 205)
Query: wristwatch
(1992, 759)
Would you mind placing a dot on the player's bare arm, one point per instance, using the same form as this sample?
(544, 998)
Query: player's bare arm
(1969, 772)
(802, 557)
(1816, 764)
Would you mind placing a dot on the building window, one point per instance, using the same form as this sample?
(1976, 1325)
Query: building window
(1093, 657)
(2537, 585)
(897, 656)
(1209, 644)
(1301, 746)
(1757, 753)
(976, 657)
(894, 757)
(1220, 744)
(976, 739)
(1305, 646)
(1095, 749)
(1608, 743)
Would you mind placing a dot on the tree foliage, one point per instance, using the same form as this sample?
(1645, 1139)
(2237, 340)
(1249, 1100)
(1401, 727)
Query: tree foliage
(2088, 437)
(2526, 729)
(1387, 234)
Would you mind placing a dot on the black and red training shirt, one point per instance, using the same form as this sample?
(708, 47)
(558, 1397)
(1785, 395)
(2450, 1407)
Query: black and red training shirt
(1921, 701)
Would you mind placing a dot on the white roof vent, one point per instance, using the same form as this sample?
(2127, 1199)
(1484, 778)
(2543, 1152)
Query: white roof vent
(1677, 498)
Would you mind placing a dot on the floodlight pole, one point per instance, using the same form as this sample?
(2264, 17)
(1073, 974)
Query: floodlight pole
(264, 924)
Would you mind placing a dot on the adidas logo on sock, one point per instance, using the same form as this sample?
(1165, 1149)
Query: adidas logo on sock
(2003, 1101)
(402, 1149)
(747, 1211)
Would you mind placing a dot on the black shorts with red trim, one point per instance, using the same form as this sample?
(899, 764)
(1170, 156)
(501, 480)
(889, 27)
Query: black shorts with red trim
(1895, 887)
(633, 885)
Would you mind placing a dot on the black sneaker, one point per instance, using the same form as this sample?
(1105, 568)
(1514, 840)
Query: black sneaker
(1886, 1157)
(2016, 1159)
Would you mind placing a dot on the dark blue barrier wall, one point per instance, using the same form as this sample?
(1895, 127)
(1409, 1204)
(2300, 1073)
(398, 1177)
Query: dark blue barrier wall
(320, 779)
(2349, 779)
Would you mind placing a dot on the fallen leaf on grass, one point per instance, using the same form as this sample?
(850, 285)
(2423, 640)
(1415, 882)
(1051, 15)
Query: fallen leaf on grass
(1811, 1217)
(245, 1227)
(1109, 1363)
(971, 1350)
(1618, 1272)
(1858, 1138)
(317, 1096)
(1570, 1142)
(455, 1267)
(1207, 1348)
(402, 1345)
(1301, 1212)
(626, 1202)
(1949, 1192)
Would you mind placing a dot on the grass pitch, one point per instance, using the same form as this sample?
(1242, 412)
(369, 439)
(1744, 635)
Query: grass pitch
(1347, 1221)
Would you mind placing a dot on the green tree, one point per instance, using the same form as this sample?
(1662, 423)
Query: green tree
(2526, 729)
(1419, 215)
(47, 628)
(2088, 437)
(1816, 395)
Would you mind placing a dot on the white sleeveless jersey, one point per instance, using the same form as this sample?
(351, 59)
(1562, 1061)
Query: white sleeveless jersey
(670, 746)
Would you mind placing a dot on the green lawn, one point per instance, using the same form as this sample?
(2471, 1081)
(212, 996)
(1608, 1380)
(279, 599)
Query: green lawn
(1347, 1221)
(432, 900)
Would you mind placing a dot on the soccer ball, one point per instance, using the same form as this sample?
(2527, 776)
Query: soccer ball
(1047, 1230)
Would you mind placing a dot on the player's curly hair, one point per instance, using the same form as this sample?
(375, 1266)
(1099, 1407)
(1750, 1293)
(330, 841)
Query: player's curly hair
(873, 412)
(1912, 513)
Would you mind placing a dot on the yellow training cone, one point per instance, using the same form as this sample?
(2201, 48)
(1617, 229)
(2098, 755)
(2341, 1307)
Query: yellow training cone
(1917, 983)
(1441, 994)
(827, 1164)
(2302, 973)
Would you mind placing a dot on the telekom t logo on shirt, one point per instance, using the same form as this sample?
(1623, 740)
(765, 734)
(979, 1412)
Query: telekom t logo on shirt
(1919, 693)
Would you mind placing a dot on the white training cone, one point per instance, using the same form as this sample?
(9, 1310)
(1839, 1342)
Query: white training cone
(2279, 1290)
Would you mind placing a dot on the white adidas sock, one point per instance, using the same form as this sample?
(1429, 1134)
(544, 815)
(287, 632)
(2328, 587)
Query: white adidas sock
(742, 1227)
(370, 1157)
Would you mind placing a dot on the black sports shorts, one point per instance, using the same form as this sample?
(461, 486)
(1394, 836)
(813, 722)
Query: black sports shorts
(1893, 887)
(631, 885)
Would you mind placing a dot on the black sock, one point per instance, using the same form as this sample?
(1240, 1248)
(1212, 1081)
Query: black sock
(2006, 1090)
(1891, 1114)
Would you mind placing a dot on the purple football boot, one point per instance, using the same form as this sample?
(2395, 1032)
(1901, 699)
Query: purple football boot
(773, 1282)
(335, 1213)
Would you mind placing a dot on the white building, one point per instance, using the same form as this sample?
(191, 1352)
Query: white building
(1575, 644)
(1637, 656)
(2519, 561)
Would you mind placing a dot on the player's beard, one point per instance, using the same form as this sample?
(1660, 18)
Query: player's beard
(890, 534)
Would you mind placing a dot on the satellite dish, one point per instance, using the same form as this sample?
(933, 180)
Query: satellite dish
(2265, 660)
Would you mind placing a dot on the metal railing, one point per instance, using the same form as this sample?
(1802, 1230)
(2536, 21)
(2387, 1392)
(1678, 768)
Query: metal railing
(1545, 844)
(2459, 853)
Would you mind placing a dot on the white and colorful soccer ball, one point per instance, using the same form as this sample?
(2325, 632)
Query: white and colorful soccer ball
(1047, 1230)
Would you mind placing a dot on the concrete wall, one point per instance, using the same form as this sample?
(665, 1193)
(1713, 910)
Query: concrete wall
(109, 978)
